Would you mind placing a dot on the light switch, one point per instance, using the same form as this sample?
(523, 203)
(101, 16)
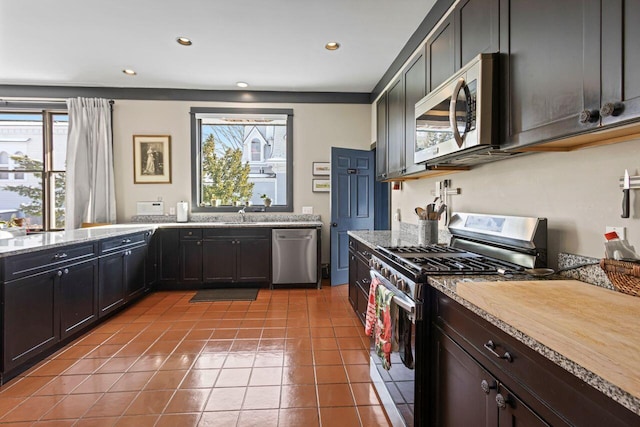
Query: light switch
(172, 211)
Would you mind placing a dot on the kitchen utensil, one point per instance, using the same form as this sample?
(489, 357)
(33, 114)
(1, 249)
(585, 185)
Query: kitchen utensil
(422, 214)
(626, 184)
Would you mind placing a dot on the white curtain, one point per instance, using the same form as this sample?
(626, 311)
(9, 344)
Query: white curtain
(90, 193)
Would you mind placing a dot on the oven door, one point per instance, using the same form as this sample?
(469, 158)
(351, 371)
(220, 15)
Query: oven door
(444, 120)
(396, 387)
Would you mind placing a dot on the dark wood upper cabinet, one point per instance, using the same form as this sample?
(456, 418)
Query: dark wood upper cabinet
(440, 48)
(381, 138)
(620, 61)
(414, 90)
(477, 29)
(395, 126)
(550, 69)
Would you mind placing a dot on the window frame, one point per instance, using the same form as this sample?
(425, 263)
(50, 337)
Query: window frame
(48, 173)
(196, 149)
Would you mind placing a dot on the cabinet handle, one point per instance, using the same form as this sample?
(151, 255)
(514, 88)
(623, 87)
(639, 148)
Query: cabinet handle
(125, 241)
(199, 242)
(589, 116)
(65, 271)
(611, 109)
(484, 385)
(59, 273)
(489, 345)
(501, 401)
(60, 256)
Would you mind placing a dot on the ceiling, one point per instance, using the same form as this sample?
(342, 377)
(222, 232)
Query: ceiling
(274, 45)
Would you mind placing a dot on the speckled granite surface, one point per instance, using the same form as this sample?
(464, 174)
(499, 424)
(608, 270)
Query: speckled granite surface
(447, 284)
(407, 235)
(249, 217)
(38, 242)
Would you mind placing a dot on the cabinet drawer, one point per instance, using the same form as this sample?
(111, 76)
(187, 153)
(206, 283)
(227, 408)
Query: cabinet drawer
(249, 232)
(37, 262)
(191, 234)
(117, 243)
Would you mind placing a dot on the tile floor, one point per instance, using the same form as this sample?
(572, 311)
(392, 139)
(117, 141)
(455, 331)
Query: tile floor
(291, 358)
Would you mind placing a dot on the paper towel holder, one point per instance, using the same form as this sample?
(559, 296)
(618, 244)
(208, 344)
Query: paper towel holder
(182, 211)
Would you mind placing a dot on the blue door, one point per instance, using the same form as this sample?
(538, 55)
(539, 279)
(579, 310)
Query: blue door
(352, 183)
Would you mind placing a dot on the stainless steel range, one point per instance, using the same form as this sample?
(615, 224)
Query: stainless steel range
(480, 244)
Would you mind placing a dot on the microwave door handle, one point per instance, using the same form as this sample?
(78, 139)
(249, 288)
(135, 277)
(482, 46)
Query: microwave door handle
(453, 122)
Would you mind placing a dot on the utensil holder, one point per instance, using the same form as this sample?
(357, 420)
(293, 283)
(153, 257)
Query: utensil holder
(427, 232)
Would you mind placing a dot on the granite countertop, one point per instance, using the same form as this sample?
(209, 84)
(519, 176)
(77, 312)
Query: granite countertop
(447, 284)
(40, 241)
(247, 224)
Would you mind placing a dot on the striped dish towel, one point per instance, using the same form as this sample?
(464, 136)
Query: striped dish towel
(370, 319)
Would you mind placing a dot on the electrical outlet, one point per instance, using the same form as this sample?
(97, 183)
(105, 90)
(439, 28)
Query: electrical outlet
(172, 211)
(307, 210)
(621, 231)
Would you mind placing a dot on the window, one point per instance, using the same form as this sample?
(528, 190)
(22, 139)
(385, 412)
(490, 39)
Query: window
(239, 155)
(35, 189)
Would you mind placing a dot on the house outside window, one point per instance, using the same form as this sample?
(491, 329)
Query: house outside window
(239, 155)
(34, 185)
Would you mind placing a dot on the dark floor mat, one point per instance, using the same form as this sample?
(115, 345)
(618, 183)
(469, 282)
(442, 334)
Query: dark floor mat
(244, 294)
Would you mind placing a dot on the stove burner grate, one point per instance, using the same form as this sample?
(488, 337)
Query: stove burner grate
(429, 249)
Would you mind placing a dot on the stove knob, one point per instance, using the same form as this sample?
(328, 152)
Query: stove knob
(393, 279)
(385, 272)
(372, 263)
(401, 285)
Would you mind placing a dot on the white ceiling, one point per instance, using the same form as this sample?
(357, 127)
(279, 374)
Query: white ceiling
(271, 44)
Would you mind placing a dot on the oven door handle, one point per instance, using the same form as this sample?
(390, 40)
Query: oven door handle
(401, 302)
(453, 119)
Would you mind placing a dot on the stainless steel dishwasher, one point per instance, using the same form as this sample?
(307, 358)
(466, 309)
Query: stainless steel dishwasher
(295, 255)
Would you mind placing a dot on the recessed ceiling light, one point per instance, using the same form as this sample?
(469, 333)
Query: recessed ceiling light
(332, 46)
(184, 41)
(129, 72)
(242, 84)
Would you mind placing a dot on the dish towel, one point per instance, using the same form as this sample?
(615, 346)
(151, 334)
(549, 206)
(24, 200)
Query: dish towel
(370, 319)
(383, 343)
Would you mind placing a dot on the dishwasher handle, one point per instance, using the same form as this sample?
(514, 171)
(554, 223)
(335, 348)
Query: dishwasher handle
(284, 237)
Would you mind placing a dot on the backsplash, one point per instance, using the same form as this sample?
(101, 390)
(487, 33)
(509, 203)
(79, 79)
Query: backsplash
(592, 274)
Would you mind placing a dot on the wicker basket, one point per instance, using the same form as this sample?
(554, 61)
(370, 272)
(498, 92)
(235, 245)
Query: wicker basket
(625, 276)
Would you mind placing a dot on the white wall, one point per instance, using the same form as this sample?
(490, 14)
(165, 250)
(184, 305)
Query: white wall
(577, 191)
(316, 128)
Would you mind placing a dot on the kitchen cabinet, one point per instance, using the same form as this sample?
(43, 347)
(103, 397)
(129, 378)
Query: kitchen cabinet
(476, 24)
(498, 380)
(78, 296)
(395, 130)
(122, 271)
(620, 99)
(440, 51)
(414, 90)
(381, 138)
(237, 255)
(191, 256)
(168, 254)
(550, 69)
(359, 278)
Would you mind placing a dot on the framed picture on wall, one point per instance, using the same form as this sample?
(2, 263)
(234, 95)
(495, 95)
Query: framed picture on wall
(152, 159)
(321, 185)
(321, 168)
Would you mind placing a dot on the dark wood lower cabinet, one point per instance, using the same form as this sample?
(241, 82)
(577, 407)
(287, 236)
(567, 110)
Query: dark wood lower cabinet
(359, 278)
(190, 261)
(78, 297)
(253, 259)
(111, 288)
(219, 261)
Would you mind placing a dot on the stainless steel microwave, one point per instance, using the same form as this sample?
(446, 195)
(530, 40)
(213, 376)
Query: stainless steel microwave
(459, 116)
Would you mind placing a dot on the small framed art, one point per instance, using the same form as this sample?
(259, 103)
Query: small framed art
(321, 185)
(152, 159)
(322, 168)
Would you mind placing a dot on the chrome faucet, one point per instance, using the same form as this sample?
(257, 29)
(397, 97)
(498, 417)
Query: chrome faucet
(242, 214)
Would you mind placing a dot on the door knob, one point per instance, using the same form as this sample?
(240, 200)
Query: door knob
(334, 224)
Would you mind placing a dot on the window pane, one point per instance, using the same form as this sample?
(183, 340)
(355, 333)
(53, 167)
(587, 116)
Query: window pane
(60, 128)
(243, 157)
(21, 132)
(22, 199)
(57, 204)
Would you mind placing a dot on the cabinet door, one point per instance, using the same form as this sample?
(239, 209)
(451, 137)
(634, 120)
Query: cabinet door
(353, 287)
(381, 138)
(476, 23)
(395, 126)
(441, 54)
(463, 390)
(78, 297)
(111, 289)
(31, 320)
(513, 412)
(620, 61)
(151, 263)
(414, 90)
(550, 69)
(168, 255)
(135, 270)
(253, 260)
(191, 261)
(219, 260)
